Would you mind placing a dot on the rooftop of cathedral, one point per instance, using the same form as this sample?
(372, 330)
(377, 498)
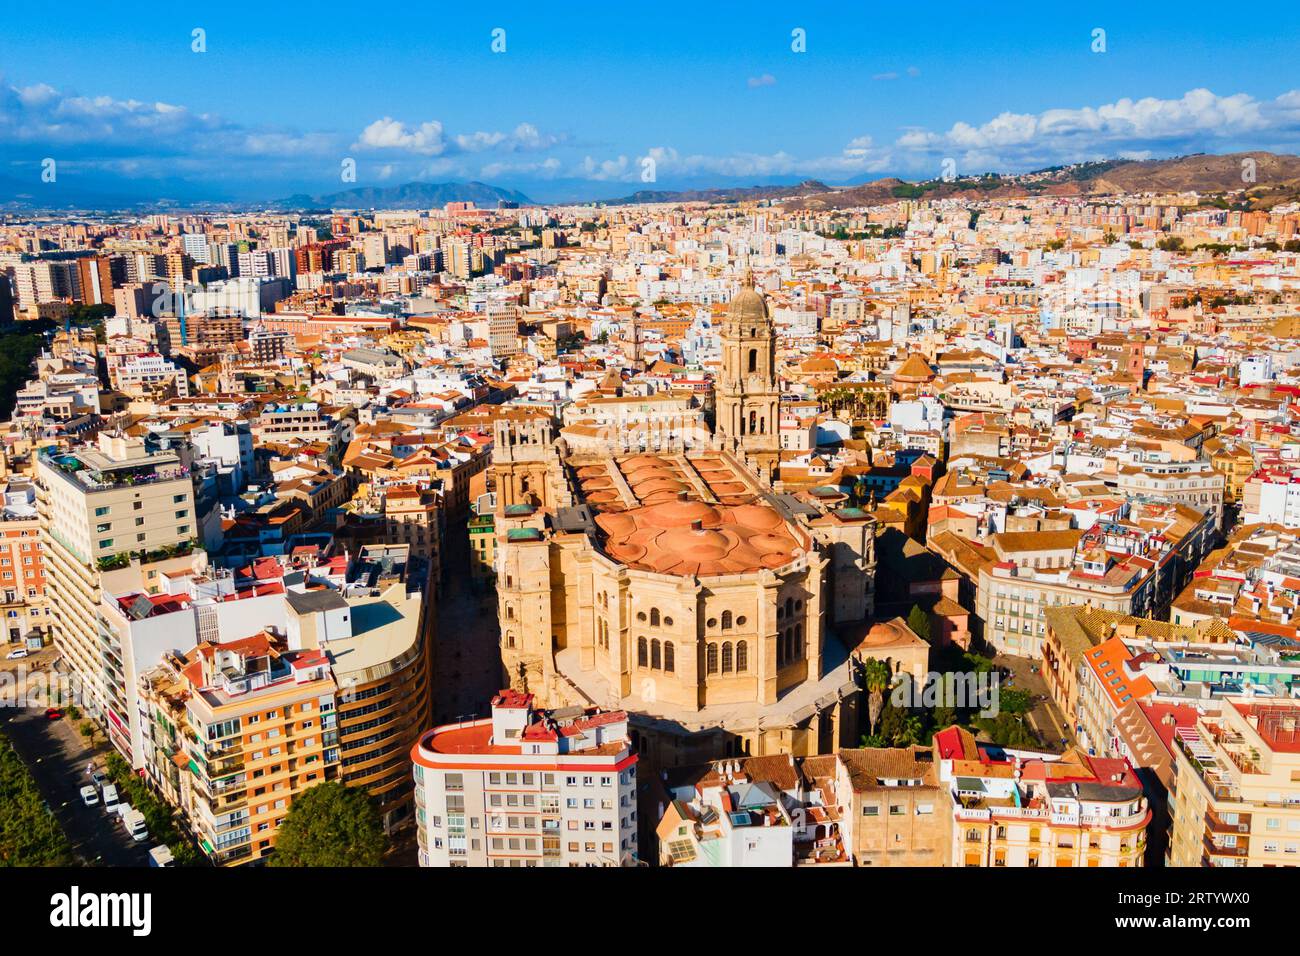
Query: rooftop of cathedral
(687, 514)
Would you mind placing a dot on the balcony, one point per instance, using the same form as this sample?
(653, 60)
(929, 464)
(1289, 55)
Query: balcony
(1217, 825)
(1213, 849)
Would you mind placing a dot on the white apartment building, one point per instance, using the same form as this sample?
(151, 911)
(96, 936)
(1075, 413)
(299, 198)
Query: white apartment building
(527, 787)
(102, 508)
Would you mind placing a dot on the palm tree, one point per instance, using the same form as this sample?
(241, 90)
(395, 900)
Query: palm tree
(878, 681)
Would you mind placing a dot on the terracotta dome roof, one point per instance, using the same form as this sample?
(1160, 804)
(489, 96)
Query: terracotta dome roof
(692, 538)
(679, 514)
(915, 369)
(886, 633)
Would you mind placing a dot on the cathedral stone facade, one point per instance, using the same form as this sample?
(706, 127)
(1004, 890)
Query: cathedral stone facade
(678, 585)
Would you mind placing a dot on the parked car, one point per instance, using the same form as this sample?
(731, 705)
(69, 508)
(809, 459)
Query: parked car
(53, 713)
(110, 798)
(19, 653)
(98, 777)
(89, 796)
(133, 820)
(161, 856)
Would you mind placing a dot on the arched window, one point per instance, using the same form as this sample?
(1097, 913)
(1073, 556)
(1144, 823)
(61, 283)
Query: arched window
(726, 657)
(753, 361)
(642, 652)
(711, 659)
(726, 620)
(753, 423)
(742, 657)
(670, 664)
(655, 660)
(789, 606)
(510, 638)
(654, 617)
(510, 613)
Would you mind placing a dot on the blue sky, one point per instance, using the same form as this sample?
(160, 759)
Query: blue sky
(713, 93)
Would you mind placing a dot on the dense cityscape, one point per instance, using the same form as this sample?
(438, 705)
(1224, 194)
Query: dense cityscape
(939, 532)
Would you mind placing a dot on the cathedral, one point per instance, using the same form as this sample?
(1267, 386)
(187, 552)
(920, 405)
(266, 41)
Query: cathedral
(675, 583)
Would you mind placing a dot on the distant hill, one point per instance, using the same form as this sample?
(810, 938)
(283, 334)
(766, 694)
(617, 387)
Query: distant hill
(809, 187)
(412, 195)
(1277, 179)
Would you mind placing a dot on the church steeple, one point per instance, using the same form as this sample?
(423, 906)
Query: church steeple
(747, 393)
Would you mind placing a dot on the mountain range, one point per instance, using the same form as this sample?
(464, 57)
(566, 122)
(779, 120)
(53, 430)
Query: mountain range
(412, 195)
(1276, 179)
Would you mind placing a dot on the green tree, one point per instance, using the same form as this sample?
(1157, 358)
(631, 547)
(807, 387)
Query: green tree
(919, 622)
(331, 825)
(29, 834)
(877, 678)
(899, 727)
(1007, 730)
(1014, 701)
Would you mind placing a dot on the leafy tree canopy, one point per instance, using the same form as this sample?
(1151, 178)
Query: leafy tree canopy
(331, 825)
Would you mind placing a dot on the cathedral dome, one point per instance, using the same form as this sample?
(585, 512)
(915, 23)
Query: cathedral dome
(747, 305)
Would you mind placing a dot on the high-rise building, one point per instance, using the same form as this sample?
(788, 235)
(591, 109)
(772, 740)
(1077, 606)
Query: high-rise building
(95, 279)
(503, 328)
(112, 506)
(1235, 800)
(195, 245)
(254, 723)
(527, 787)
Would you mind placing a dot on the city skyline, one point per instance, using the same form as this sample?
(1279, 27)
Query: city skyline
(568, 105)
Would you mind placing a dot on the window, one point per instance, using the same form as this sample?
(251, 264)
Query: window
(642, 652)
(656, 660)
(669, 662)
(726, 657)
(742, 657)
(870, 810)
(654, 617)
(711, 659)
(726, 620)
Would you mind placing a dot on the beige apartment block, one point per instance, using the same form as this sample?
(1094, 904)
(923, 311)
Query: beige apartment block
(1236, 794)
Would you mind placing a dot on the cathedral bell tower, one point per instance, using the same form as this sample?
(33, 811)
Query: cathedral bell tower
(746, 394)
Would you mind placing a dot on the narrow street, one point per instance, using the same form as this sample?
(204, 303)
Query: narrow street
(57, 755)
(467, 659)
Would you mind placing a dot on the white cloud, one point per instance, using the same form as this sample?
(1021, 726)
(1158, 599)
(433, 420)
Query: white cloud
(388, 133)
(428, 139)
(767, 79)
(1198, 120)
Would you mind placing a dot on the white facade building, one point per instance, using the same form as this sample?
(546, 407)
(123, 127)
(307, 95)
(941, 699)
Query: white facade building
(527, 788)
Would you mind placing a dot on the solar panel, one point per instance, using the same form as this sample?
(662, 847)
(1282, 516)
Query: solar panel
(140, 608)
